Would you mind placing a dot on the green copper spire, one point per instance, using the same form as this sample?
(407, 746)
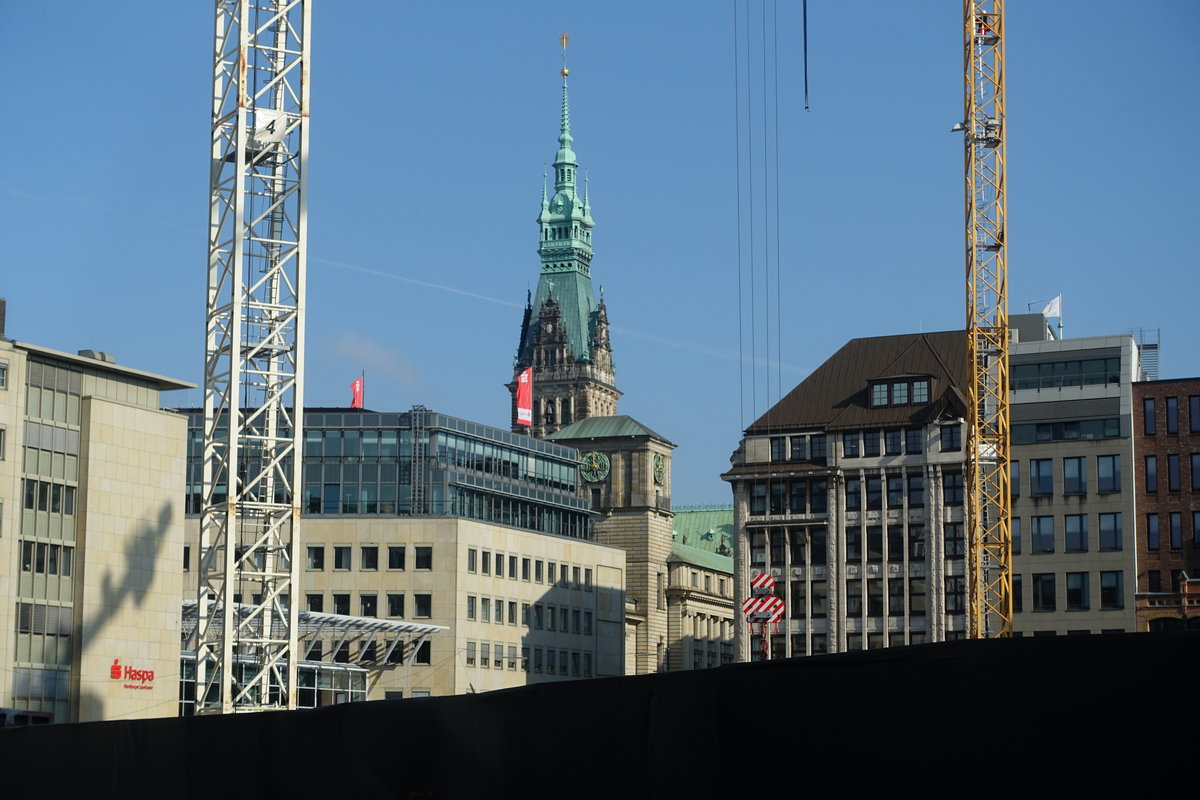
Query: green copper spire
(565, 245)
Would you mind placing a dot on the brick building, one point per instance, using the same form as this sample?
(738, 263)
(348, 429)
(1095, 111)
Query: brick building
(1167, 460)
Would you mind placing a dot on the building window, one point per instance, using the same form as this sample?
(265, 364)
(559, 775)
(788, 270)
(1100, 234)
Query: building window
(424, 605)
(369, 557)
(900, 393)
(1196, 472)
(1110, 531)
(879, 395)
(1152, 474)
(1043, 535)
(3, 374)
(916, 597)
(853, 544)
(895, 491)
(956, 594)
(470, 653)
(853, 494)
(1075, 475)
(1018, 601)
(1173, 473)
(341, 557)
(471, 604)
(1112, 590)
(1043, 591)
(951, 437)
(871, 443)
(892, 442)
(1015, 534)
(512, 567)
(1152, 542)
(916, 543)
(1041, 477)
(524, 569)
(817, 448)
(1109, 472)
(315, 602)
(368, 603)
(485, 655)
(1077, 591)
(920, 391)
(1172, 415)
(1077, 532)
(916, 491)
(485, 562)
(854, 601)
(316, 556)
(1153, 580)
(472, 560)
(395, 605)
(851, 445)
(1014, 478)
(955, 541)
(875, 544)
(758, 499)
(874, 493)
(914, 441)
(778, 443)
(485, 610)
(1196, 529)
(1148, 416)
(799, 448)
(341, 604)
(395, 556)
(952, 489)
(1194, 413)
(1176, 519)
(424, 557)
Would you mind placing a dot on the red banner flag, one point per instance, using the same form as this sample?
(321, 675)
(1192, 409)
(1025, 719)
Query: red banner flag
(525, 398)
(356, 396)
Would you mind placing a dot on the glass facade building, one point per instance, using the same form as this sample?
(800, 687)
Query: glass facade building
(422, 463)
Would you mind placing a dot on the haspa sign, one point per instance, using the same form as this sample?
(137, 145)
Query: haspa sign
(134, 678)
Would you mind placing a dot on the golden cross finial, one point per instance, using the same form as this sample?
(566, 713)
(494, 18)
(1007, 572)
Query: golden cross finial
(564, 39)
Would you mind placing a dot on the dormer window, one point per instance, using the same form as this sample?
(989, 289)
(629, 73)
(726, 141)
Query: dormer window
(899, 392)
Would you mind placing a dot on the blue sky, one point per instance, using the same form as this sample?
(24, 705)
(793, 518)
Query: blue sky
(431, 124)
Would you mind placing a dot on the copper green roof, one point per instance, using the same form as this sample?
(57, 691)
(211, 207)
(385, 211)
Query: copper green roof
(607, 428)
(704, 527)
(701, 558)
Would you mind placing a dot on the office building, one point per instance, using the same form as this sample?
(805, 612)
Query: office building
(849, 493)
(91, 536)
(1072, 477)
(425, 518)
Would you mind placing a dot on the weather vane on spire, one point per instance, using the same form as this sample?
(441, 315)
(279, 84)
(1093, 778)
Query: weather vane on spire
(564, 38)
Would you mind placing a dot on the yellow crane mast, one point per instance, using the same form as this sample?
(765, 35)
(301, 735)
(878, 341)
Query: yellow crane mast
(989, 508)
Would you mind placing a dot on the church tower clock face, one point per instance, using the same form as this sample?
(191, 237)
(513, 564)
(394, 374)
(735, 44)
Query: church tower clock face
(660, 469)
(594, 467)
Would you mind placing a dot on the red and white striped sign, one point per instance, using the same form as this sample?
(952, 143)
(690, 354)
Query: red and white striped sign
(762, 584)
(763, 609)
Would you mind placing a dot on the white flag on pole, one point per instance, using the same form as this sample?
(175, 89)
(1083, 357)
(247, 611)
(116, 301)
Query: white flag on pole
(1053, 308)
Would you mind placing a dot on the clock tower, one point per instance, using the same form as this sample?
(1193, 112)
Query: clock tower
(625, 473)
(564, 332)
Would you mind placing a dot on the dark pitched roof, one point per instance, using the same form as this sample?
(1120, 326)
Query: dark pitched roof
(835, 395)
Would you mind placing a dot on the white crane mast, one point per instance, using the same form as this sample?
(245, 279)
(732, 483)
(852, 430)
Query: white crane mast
(247, 651)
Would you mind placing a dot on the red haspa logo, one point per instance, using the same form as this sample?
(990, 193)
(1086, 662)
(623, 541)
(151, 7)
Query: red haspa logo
(134, 678)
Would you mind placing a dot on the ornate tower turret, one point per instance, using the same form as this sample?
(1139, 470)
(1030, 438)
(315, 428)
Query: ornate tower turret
(564, 334)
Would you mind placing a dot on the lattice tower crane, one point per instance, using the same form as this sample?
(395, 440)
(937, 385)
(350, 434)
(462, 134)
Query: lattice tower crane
(989, 505)
(246, 654)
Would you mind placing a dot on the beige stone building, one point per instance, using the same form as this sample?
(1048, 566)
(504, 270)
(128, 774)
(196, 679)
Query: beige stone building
(700, 602)
(91, 536)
